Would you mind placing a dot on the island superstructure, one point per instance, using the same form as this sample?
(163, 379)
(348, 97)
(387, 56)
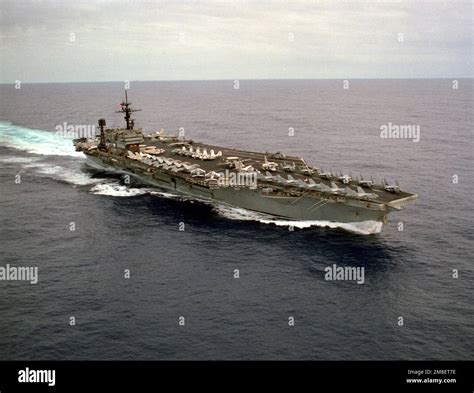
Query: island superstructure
(272, 183)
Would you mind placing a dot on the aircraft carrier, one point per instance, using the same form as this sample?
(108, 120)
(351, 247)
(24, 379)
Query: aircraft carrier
(272, 183)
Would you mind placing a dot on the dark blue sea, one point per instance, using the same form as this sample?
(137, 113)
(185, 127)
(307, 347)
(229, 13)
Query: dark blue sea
(190, 273)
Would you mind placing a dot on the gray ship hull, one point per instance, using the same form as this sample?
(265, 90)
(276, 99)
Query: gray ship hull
(303, 208)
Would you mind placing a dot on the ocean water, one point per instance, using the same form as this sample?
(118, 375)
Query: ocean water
(190, 273)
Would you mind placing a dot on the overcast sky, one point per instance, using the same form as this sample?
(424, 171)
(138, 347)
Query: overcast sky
(54, 41)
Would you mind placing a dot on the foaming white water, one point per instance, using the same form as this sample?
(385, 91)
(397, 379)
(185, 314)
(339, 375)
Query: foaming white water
(67, 175)
(361, 228)
(237, 213)
(35, 141)
(114, 188)
(72, 175)
(118, 190)
(18, 160)
(46, 144)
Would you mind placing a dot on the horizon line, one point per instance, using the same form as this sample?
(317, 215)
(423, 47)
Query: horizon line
(234, 79)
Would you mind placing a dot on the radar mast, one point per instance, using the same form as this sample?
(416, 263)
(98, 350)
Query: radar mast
(127, 109)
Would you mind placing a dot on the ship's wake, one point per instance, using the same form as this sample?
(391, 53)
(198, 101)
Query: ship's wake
(35, 141)
(43, 153)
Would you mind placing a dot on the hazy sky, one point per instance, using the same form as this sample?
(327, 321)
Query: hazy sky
(50, 41)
